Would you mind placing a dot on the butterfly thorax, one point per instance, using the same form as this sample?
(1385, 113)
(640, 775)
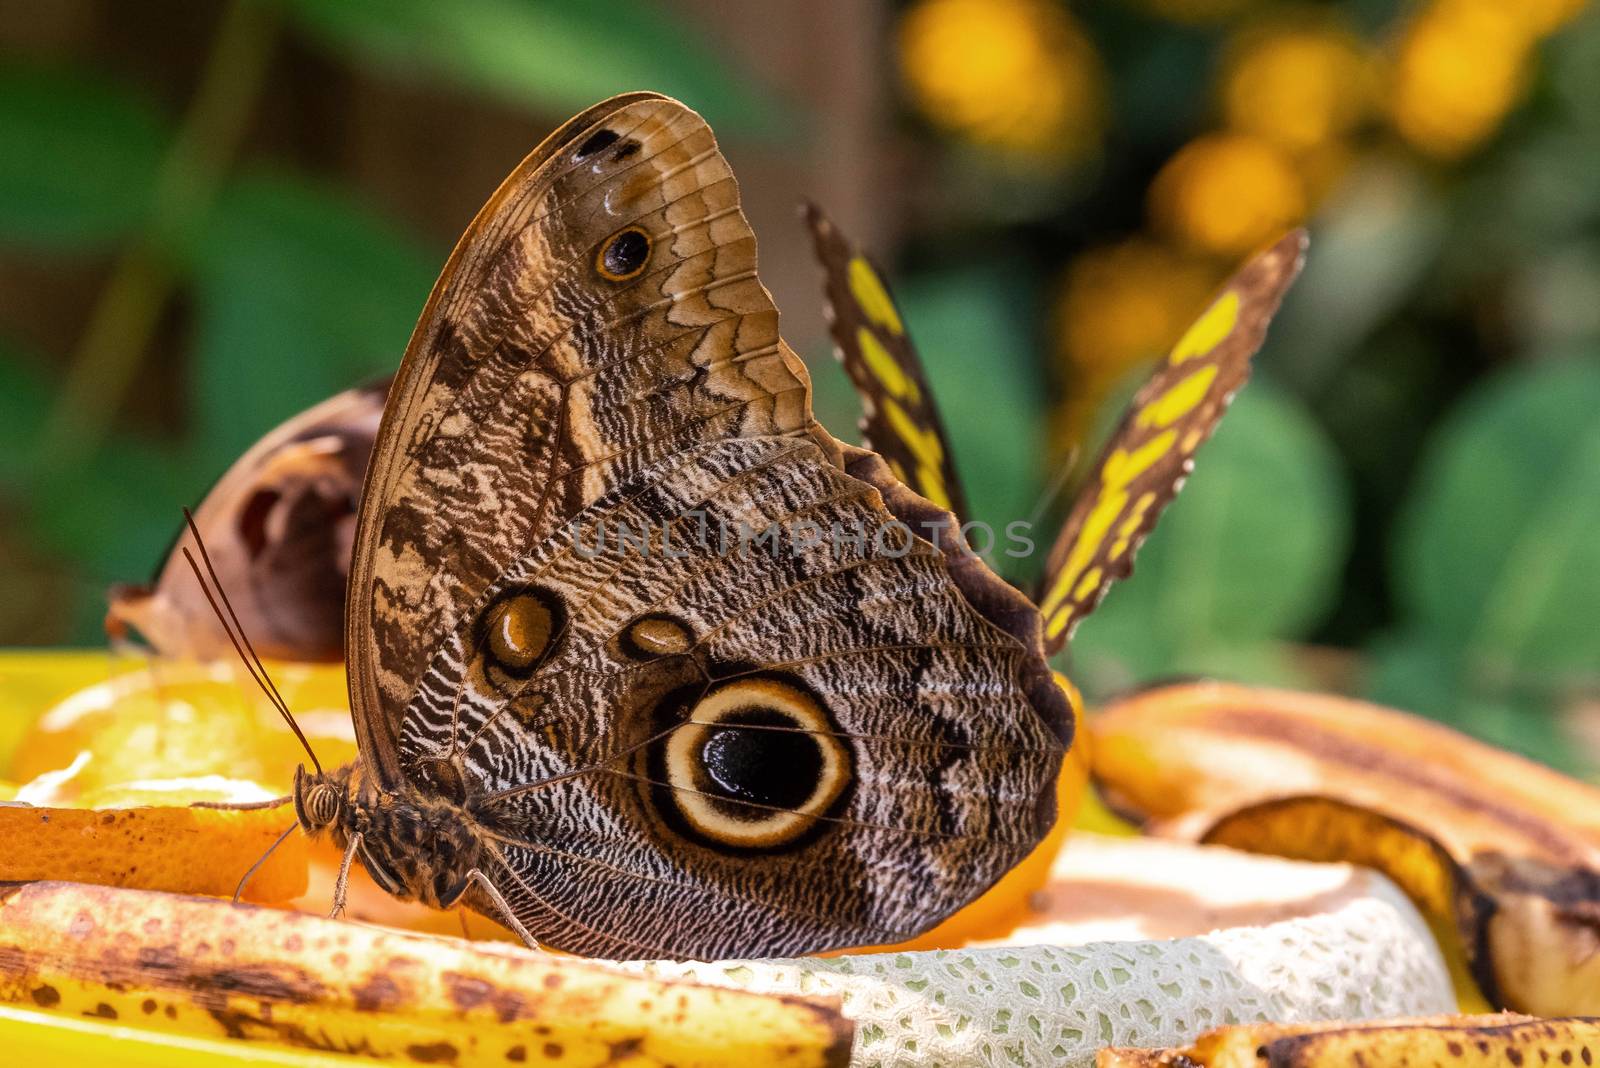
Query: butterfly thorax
(415, 847)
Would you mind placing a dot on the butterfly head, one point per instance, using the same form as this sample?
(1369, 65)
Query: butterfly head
(319, 798)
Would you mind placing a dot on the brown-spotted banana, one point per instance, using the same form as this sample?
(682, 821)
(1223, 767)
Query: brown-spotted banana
(1501, 854)
(203, 968)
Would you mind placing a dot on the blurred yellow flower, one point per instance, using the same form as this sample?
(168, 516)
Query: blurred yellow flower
(1459, 68)
(1227, 193)
(1298, 85)
(1016, 74)
(1119, 306)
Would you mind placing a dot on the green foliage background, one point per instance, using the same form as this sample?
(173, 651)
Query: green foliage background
(1404, 485)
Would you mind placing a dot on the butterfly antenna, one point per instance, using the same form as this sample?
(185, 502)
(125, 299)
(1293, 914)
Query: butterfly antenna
(215, 581)
(257, 670)
(1056, 487)
(241, 642)
(238, 891)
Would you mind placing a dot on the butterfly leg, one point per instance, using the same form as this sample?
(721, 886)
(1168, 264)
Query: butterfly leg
(342, 883)
(477, 878)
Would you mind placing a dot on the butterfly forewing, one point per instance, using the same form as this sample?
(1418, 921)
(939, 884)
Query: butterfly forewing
(899, 420)
(1147, 458)
(534, 382)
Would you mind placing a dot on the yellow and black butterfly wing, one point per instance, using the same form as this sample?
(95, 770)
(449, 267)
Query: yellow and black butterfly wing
(899, 420)
(1147, 459)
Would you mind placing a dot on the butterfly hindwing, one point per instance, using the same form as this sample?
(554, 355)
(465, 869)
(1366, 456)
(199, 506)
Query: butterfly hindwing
(789, 755)
(899, 420)
(1147, 458)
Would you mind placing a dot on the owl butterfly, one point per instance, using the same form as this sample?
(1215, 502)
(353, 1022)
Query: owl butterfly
(642, 661)
(278, 527)
(1142, 466)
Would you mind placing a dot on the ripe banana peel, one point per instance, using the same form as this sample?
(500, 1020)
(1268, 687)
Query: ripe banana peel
(1502, 855)
(38, 1038)
(207, 970)
(1432, 1042)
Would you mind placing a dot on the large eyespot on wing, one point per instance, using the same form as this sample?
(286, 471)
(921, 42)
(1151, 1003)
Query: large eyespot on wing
(601, 312)
(773, 720)
(1145, 462)
(899, 419)
(754, 766)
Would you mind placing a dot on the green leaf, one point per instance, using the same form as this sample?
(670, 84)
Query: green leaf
(1573, 61)
(25, 396)
(1412, 672)
(301, 293)
(1539, 189)
(1497, 559)
(80, 158)
(119, 513)
(114, 513)
(1247, 556)
(112, 516)
(558, 55)
(979, 354)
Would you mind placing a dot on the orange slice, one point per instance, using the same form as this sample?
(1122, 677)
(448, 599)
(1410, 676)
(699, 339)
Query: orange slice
(185, 720)
(110, 773)
(173, 847)
(33, 680)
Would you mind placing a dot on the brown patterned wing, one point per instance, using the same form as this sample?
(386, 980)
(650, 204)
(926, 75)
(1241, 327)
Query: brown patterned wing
(671, 657)
(601, 312)
(697, 723)
(278, 527)
(1147, 459)
(899, 420)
